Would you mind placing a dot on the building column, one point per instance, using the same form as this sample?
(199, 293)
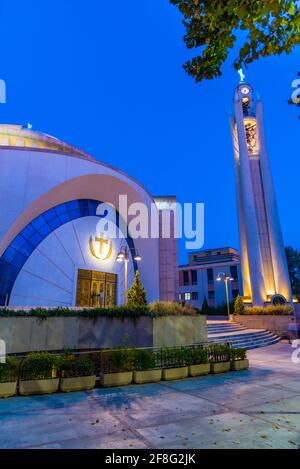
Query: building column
(280, 268)
(248, 222)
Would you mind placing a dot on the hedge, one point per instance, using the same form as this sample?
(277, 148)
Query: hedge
(157, 309)
(279, 310)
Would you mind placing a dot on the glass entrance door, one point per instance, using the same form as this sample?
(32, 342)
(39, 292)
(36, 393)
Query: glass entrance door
(96, 288)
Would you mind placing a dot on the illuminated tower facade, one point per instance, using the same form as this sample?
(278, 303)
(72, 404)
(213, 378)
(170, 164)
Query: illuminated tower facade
(263, 262)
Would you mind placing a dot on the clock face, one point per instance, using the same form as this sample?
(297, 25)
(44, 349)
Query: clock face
(245, 90)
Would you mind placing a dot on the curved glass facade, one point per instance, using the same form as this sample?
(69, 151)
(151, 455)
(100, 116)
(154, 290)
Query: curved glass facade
(23, 245)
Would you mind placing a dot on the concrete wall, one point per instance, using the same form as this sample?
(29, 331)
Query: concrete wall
(25, 334)
(279, 325)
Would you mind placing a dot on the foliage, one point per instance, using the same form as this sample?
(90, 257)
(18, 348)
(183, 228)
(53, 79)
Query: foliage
(112, 361)
(136, 295)
(39, 365)
(239, 307)
(278, 310)
(219, 310)
(198, 356)
(174, 357)
(118, 360)
(238, 354)
(205, 307)
(73, 366)
(157, 309)
(170, 308)
(9, 371)
(293, 262)
(267, 28)
(219, 353)
(144, 359)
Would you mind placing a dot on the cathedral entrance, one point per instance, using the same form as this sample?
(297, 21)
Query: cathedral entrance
(96, 288)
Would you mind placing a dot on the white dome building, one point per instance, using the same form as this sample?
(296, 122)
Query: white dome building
(51, 250)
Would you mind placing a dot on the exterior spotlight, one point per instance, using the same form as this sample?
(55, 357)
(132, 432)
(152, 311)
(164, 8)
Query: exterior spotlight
(137, 257)
(226, 279)
(123, 256)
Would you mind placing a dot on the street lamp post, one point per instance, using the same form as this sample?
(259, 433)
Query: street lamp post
(123, 256)
(226, 279)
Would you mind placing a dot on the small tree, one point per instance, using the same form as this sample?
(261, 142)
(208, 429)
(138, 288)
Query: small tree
(239, 307)
(136, 295)
(293, 261)
(205, 307)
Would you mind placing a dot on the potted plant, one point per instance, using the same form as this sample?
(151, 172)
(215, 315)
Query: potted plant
(38, 374)
(239, 359)
(219, 358)
(198, 362)
(176, 360)
(9, 372)
(77, 373)
(116, 367)
(144, 367)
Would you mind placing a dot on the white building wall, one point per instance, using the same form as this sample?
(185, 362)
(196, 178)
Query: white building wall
(26, 176)
(49, 277)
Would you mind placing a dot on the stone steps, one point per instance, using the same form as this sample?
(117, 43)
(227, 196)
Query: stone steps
(238, 336)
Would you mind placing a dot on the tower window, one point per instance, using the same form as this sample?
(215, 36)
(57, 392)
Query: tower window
(251, 136)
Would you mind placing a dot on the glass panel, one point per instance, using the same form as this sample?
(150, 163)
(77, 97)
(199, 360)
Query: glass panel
(96, 288)
(83, 292)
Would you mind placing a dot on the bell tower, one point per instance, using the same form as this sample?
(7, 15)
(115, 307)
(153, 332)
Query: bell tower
(263, 262)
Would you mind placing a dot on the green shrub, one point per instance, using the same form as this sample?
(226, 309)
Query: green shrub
(136, 295)
(116, 361)
(239, 307)
(280, 310)
(144, 359)
(238, 354)
(157, 309)
(219, 310)
(74, 366)
(9, 371)
(219, 353)
(197, 356)
(205, 306)
(39, 365)
(170, 308)
(174, 357)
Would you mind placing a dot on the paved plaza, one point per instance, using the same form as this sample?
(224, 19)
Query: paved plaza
(257, 408)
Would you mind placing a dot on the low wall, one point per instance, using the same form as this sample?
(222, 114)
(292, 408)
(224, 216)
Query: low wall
(280, 325)
(27, 334)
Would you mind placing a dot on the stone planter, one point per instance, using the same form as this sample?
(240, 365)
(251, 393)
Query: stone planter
(8, 389)
(38, 386)
(199, 370)
(147, 376)
(175, 373)
(237, 365)
(221, 367)
(80, 383)
(116, 379)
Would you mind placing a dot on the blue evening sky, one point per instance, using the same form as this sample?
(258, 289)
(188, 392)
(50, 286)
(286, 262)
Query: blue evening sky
(108, 77)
